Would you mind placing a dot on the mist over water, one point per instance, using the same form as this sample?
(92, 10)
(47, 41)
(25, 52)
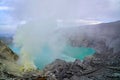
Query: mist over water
(39, 39)
(41, 42)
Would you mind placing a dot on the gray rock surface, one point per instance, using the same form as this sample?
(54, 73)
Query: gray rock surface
(104, 37)
(103, 65)
(78, 70)
(6, 53)
(8, 66)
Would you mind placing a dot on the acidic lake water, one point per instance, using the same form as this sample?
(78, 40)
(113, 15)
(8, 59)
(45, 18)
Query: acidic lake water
(68, 54)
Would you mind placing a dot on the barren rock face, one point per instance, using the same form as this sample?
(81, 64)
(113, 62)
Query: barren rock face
(8, 65)
(11, 70)
(103, 37)
(7, 53)
(78, 70)
(103, 65)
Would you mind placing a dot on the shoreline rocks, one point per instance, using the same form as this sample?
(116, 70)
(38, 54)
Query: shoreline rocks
(78, 70)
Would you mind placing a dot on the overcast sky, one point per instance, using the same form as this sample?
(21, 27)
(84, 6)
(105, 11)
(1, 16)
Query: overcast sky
(104, 10)
(14, 11)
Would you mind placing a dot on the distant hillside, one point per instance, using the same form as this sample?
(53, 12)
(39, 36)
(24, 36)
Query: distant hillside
(102, 37)
(103, 65)
(6, 38)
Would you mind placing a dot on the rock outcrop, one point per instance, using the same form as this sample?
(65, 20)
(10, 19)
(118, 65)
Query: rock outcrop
(103, 65)
(6, 53)
(92, 68)
(102, 37)
(11, 70)
(8, 65)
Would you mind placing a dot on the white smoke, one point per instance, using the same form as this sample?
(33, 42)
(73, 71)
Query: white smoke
(33, 36)
(40, 18)
(105, 10)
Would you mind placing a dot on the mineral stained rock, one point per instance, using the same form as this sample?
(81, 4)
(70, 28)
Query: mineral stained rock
(11, 70)
(6, 53)
(8, 66)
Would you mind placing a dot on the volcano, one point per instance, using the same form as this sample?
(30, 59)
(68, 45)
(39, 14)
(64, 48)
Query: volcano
(104, 64)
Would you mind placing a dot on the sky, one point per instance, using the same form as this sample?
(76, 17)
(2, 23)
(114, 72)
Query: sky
(7, 24)
(15, 12)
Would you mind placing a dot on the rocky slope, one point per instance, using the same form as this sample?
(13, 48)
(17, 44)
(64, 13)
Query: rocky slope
(6, 53)
(8, 60)
(91, 68)
(11, 70)
(102, 37)
(103, 65)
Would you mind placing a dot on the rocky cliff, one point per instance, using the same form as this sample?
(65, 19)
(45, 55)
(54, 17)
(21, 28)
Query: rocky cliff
(102, 37)
(96, 67)
(11, 70)
(8, 65)
(103, 65)
(6, 53)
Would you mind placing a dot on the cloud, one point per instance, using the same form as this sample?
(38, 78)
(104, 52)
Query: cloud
(76, 22)
(39, 42)
(7, 29)
(40, 35)
(69, 9)
(5, 8)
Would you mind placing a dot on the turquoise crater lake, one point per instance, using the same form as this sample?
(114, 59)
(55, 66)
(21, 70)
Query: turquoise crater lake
(69, 53)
